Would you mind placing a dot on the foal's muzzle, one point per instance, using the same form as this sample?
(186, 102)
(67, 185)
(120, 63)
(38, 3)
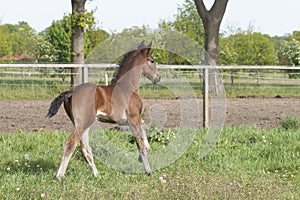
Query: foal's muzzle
(156, 79)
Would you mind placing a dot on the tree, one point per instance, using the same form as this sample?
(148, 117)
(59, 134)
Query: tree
(188, 23)
(80, 20)
(77, 39)
(5, 47)
(94, 38)
(247, 48)
(254, 49)
(17, 40)
(211, 21)
(290, 49)
(59, 36)
(45, 51)
(296, 35)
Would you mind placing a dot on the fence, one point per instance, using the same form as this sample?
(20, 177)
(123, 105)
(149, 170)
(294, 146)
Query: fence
(43, 74)
(239, 81)
(47, 80)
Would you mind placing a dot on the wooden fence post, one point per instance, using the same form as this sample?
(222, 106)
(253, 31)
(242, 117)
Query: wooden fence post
(85, 74)
(205, 98)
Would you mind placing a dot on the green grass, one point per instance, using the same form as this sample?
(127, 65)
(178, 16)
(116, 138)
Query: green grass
(246, 163)
(32, 88)
(261, 90)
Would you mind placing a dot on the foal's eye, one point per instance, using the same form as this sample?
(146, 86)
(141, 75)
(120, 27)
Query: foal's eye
(151, 60)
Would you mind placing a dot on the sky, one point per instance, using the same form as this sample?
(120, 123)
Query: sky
(265, 16)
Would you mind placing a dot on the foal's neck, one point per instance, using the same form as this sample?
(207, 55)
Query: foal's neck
(129, 80)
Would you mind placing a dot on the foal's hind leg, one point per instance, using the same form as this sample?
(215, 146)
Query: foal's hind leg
(87, 151)
(69, 148)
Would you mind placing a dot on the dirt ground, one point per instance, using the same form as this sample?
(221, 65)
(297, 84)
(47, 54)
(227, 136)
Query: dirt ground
(29, 115)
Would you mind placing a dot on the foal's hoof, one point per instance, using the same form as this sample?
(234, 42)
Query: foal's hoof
(149, 173)
(57, 178)
(140, 159)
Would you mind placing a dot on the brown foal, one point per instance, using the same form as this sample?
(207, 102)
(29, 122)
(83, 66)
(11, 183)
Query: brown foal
(118, 103)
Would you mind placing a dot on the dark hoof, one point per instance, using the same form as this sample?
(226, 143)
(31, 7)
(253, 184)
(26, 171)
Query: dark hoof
(140, 159)
(149, 173)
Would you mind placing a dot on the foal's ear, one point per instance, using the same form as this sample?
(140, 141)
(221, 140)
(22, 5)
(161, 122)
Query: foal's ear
(142, 45)
(149, 45)
(147, 48)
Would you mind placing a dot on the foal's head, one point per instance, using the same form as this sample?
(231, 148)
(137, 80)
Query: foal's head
(148, 66)
(136, 62)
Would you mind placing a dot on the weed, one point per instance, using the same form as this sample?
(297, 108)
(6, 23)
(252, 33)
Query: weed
(290, 123)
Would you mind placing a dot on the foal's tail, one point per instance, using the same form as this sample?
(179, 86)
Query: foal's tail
(56, 103)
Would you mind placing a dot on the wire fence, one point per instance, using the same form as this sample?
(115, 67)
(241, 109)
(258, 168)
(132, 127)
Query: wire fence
(47, 80)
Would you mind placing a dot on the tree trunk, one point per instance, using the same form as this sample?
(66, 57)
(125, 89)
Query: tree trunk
(77, 40)
(211, 20)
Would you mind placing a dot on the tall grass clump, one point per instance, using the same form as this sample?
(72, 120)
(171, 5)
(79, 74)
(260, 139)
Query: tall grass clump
(290, 123)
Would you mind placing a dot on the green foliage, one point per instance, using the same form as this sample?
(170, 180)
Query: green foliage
(290, 123)
(160, 137)
(291, 50)
(94, 38)
(248, 49)
(5, 45)
(59, 36)
(295, 35)
(17, 39)
(187, 21)
(45, 52)
(113, 48)
(228, 53)
(84, 20)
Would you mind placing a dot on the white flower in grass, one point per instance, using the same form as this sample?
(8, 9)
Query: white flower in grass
(26, 156)
(43, 195)
(264, 139)
(162, 180)
(18, 189)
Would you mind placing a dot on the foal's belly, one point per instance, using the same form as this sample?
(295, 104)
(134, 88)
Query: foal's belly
(105, 118)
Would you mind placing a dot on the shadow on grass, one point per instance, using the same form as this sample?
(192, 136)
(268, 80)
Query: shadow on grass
(34, 167)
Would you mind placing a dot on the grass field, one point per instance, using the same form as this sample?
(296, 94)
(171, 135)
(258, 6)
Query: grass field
(246, 163)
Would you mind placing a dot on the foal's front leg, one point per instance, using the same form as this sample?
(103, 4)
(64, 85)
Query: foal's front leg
(145, 139)
(141, 141)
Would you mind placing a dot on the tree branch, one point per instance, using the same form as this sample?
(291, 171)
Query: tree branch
(201, 9)
(218, 9)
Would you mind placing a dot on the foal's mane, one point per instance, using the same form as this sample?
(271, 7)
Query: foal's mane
(127, 57)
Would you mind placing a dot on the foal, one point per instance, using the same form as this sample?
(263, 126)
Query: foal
(118, 103)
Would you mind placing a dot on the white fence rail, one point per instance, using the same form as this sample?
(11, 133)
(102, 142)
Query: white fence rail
(95, 72)
(105, 65)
